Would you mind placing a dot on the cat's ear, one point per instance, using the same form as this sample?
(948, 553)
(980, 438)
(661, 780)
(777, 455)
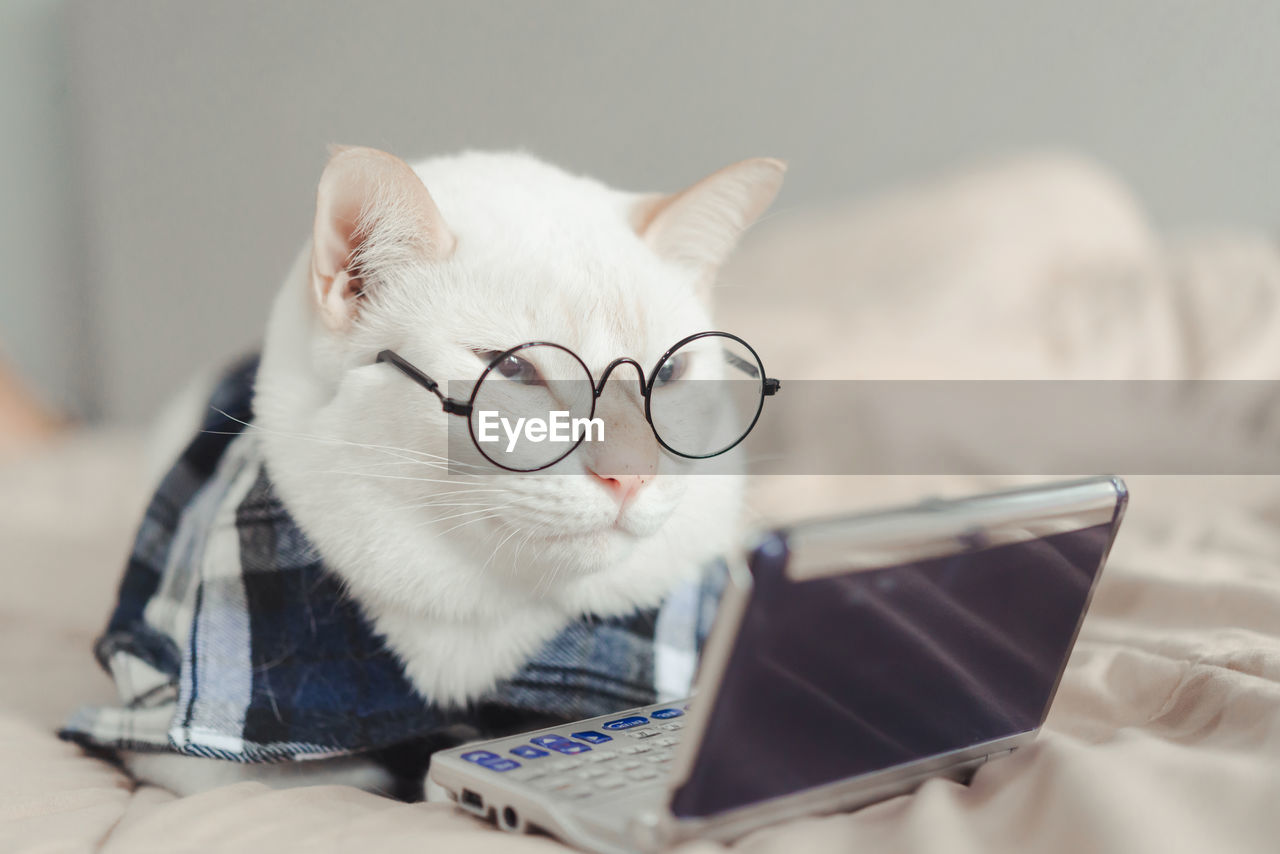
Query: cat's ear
(699, 226)
(372, 214)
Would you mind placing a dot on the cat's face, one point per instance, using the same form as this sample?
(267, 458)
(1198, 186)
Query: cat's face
(501, 250)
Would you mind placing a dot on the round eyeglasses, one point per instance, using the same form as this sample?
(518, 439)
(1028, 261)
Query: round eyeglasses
(535, 403)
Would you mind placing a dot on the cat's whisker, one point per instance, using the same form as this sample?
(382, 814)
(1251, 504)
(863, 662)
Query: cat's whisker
(550, 577)
(530, 533)
(429, 500)
(463, 514)
(397, 453)
(524, 541)
(503, 542)
(468, 522)
(402, 463)
(438, 501)
(448, 505)
(560, 564)
(443, 463)
(385, 476)
(463, 486)
(476, 492)
(386, 449)
(438, 519)
(480, 508)
(542, 577)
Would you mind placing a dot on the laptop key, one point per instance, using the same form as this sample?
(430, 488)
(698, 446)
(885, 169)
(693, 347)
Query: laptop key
(528, 751)
(643, 773)
(560, 744)
(625, 723)
(610, 782)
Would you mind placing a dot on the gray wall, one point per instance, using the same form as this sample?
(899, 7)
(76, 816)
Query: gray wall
(43, 326)
(202, 126)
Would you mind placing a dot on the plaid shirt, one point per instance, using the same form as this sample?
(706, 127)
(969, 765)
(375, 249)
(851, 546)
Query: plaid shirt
(232, 640)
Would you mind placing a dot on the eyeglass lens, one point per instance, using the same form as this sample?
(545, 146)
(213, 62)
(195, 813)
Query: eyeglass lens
(537, 384)
(706, 395)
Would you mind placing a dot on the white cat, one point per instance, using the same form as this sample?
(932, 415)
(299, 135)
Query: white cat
(466, 575)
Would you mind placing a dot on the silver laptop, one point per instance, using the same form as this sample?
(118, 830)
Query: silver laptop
(851, 659)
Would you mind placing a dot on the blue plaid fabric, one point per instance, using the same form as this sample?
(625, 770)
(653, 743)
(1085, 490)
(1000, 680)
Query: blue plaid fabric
(230, 638)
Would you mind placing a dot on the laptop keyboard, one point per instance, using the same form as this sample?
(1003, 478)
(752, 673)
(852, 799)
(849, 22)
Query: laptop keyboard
(579, 764)
(638, 756)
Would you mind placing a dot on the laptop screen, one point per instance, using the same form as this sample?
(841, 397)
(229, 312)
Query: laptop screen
(849, 674)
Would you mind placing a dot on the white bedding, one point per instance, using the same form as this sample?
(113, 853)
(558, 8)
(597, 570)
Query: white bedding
(1165, 735)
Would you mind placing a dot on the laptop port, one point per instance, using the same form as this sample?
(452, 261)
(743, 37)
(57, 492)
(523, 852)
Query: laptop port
(472, 801)
(510, 818)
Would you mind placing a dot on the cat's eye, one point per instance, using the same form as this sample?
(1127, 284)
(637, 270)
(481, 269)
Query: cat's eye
(672, 369)
(511, 366)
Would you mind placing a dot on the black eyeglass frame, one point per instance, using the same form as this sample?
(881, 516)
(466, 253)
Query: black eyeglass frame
(768, 388)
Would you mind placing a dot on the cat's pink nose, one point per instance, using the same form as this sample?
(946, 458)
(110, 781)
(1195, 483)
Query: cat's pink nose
(622, 487)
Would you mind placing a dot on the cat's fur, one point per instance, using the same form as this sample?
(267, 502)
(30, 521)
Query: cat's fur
(466, 575)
